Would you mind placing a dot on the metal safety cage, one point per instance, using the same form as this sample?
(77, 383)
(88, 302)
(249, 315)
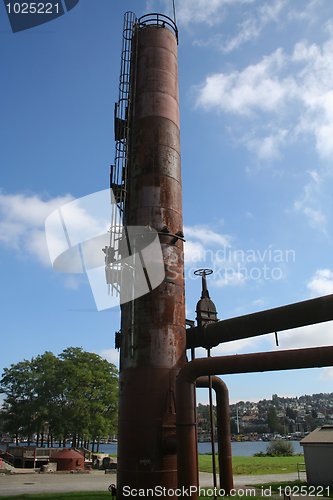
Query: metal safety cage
(158, 20)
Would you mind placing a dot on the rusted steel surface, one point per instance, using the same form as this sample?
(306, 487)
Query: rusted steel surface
(222, 365)
(223, 430)
(68, 459)
(153, 336)
(279, 319)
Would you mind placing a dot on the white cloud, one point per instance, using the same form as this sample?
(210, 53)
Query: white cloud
(268, 147)
(233, 278)
(316, 217)
(258, 302)
(207, 236)
(193, 252)
(111, 355)
(72, 282)
(321, 334)
(252, 26)
(262, 343)
(242, 346)
(327, 373)
(196, 11)
(248, 30)
(201, 245)
(321, 283)
(257, 88)
(317, 335)
(232, 266)
(271, 11)
(295, 89)
(200, 11)
(309, 202)
(22, 219)
(210, 249)
(255, 20)
(22, 228)
(308, 13)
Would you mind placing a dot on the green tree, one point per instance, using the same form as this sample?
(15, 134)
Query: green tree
(18, 383)
(32, 395)
(72, 395)
(48, 386)
(280, 448)
(290, 413)
(2, 422)
(273, 422)
(89, 397)
(314, 413)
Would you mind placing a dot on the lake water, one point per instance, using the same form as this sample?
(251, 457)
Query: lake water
(239, 449)
(247, 448)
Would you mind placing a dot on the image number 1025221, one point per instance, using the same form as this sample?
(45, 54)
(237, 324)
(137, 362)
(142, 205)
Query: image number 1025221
(24, 15)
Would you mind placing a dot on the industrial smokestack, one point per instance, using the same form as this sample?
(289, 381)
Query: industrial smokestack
(152, 341)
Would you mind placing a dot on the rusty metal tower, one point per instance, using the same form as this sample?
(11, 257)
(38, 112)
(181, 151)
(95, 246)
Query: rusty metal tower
(148, 182)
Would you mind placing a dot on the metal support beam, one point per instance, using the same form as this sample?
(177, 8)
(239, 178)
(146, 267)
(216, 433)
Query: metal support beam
(304, 313)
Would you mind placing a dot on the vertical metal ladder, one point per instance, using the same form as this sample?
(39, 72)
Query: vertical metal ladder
(118, 173)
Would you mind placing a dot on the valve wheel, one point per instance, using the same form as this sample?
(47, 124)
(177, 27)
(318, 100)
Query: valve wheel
(112, 488)
(203, 272)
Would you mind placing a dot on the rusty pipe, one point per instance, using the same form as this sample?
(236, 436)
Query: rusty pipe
(223, 430)
(282, 318)
(222, 365)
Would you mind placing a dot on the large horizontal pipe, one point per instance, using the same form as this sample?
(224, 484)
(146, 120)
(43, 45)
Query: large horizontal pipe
(222, 365)
(223, 430)
(282, 318)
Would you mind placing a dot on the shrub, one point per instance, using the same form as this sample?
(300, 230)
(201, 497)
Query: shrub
(260, 454)
(279, 448)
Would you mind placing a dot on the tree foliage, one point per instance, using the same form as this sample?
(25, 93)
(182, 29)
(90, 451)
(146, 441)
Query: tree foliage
(273, 422)
(280, 448)
(70, 395)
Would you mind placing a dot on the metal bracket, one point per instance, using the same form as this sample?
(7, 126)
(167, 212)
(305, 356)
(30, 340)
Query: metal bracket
(178, 236)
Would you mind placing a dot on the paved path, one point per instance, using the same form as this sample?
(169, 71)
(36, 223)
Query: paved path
(206, 479)
(54, 483)
(99, 481)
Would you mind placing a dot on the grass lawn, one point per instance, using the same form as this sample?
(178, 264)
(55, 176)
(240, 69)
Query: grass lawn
(294, 487)
(255, 465)
(88, 495)
(82, 496)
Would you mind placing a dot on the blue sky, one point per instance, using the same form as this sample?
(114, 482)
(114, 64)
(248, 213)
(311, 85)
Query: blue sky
(256, 89)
